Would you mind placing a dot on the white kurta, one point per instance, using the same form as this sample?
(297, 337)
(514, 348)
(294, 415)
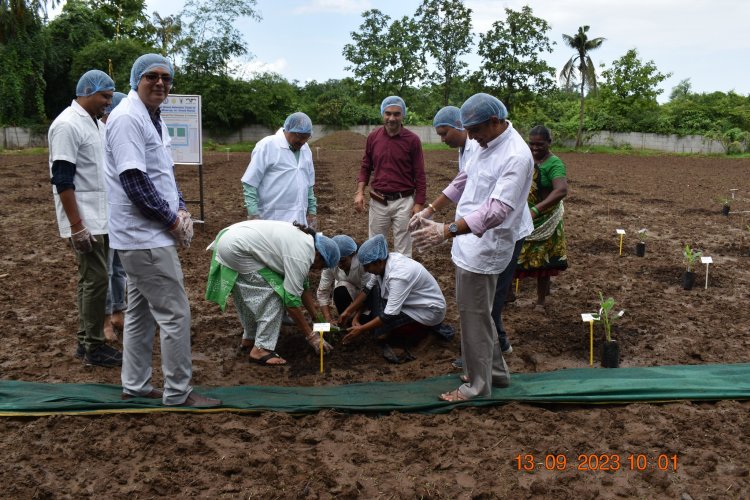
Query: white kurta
(131, 141)
(75, 137)
(354, 281)
(503, 171)
(253, 245)
(282, 182)
(408, 287)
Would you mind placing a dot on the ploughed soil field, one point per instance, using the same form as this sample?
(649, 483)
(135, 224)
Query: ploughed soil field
(466, 453)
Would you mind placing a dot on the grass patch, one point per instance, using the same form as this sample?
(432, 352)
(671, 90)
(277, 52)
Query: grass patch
(240, 147)
(436, 147)
(24, 152)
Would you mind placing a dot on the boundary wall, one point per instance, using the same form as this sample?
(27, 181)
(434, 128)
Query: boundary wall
(21, 138)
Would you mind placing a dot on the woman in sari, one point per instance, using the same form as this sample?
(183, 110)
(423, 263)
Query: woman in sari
(264, 265)
(544, 252)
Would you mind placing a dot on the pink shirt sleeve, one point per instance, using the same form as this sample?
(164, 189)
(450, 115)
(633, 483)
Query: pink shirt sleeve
(491, 214)
(456, 187)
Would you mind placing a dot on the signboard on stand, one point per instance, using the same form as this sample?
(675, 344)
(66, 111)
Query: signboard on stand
(182, 116)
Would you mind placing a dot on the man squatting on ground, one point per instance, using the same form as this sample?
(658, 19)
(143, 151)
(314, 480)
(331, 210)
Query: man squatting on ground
(402, 296)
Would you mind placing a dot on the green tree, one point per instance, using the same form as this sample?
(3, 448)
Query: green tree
(681, 90)
(368, 54)
(406, 60)
(19, 17)
(22, 49)
(167, 32)
(511, 57)
(446, 29)
(629, 93)
(122, 18)
(75, 27)
(581, 66)
(115, 57)
(211, 39)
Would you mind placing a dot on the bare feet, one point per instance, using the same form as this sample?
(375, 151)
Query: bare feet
(109, 332)
(453, 396)
(118, 321)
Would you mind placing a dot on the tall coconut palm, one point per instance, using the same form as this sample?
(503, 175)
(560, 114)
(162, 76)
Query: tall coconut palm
(580, 65)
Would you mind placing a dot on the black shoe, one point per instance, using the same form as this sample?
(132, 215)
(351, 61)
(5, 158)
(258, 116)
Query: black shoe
(80, 351)
(103, 355)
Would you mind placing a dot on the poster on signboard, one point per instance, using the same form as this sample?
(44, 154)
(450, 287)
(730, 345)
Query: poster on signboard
(182, 116)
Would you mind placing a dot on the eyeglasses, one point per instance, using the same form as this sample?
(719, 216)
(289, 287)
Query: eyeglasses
(154, 77)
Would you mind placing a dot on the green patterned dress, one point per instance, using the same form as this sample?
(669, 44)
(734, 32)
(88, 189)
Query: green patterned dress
(549, 256)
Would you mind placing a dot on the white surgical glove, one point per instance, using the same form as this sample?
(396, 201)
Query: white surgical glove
(416, 220)
(183, 229)
(429, 235)
(83, 241)
(314, 340)
(188, 221)
(312, 222)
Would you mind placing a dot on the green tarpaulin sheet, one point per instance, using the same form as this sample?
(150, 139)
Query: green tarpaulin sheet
(581, 386)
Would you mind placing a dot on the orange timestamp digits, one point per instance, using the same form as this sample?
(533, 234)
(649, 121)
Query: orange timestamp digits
(604, 462)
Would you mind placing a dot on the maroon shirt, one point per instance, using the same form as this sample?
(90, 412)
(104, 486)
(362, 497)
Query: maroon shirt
(397, 162)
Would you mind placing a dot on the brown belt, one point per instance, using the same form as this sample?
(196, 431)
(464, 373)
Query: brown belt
(397, 195)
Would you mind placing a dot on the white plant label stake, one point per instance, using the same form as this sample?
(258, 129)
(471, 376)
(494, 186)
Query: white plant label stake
(621, 232)
(707, 261)
(320, 328)
(733, 191)
(590, 318)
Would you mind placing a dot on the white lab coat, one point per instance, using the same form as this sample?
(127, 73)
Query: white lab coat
(281, 181)
(75, 137)
(408, 287)
(131, 141)
(503, 171)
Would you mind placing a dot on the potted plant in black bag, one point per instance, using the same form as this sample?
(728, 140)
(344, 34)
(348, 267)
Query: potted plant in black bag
(690, 256)
(726, 204)
(607, 316)
(640, 247)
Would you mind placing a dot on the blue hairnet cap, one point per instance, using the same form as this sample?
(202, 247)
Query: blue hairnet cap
(376, 248)
(298, 123)
(327, 249)
(393, 100)
(449, 116)
(145, 63)
(94, 81)
(347, 245)
(481, 107)
(116, 98)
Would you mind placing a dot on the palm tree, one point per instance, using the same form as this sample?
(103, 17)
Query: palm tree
(17, 16)
(580, 64)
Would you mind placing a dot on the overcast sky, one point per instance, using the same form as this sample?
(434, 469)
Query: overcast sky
(701, 40)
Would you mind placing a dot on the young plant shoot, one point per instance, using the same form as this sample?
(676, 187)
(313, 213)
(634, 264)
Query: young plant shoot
(607, 316)
(690, 257)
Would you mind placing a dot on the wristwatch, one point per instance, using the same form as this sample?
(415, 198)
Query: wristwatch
(453, 230)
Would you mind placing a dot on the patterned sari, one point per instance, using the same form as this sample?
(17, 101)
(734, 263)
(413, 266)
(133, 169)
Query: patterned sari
(545, 257)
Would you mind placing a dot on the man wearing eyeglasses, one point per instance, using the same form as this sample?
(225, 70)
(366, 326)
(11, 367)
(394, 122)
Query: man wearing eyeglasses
(148, 220)
(278, 183)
